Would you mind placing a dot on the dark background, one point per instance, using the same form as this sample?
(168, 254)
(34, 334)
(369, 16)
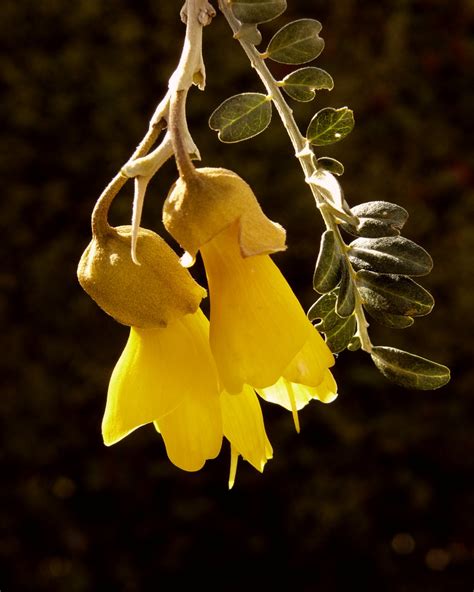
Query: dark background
(375, 492)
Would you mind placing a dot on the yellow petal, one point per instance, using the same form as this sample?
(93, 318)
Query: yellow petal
(243, 426)
(193, 431)
(257, 323)
(156, 371)
(309, 365)
(326, 392)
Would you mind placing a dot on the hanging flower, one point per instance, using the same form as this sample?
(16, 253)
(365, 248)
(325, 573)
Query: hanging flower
(259, 332)
(166, 374)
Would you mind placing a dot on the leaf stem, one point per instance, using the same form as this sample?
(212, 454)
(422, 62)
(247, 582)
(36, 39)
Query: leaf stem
(303, 153)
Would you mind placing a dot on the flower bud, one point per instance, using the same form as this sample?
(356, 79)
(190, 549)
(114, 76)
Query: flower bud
(151, 294)
(198, 209)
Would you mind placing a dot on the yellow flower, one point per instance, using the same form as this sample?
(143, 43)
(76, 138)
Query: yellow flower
(259, 332)
(167, 376)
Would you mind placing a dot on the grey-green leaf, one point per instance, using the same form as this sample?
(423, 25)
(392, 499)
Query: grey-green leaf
(341, 334)
(241, 117)
(330, 125)
(388, 319)
(395, 294)
(323, 307)
(331, 165)
(409, 370)
(327, 272)
(390, 254)
(378, 218)
(302, 84)
(338, 331)
(257, 11)
(346, 298)
(297, 42)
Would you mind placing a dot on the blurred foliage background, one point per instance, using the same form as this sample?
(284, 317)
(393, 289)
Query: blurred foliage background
(376, 492)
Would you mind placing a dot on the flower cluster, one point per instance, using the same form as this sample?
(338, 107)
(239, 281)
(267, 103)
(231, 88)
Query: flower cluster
(199, 381)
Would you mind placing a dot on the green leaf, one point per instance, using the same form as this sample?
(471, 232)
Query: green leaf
(388, 319)
(241, 117)
(296, 43)
(338, 331)
(395, 294)
(321, 310)
(391, 254)
(328, 266)
(257, 11)
(409, 370)
(331, 165)
(302, 84)
(346, 298)
(378, 218)
(341, 334)
(330, 125)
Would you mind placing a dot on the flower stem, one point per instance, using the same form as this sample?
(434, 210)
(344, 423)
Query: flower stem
(303, 153)
(198, 14)
(99, 221)
(177, 125)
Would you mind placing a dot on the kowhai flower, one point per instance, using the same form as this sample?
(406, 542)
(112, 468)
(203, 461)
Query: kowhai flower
(166, 374)
(259, 332)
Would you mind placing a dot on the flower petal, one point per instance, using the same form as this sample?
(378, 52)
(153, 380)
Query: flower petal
(157, 370)
(193, 431)
(309, 365)
(257, 323)
(243, 426)
(326, 392)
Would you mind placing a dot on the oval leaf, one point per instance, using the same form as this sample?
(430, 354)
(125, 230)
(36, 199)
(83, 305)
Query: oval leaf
(323, 307)
(331, 165)
(328, 266)
(241, 117)
(388, 319)
(338, 331)
(395, 294)
(341, 334)
(378, 218)
(391, 254)
(346, 298)
(409, 370)
(296, 43)
(330, 125)
(257, 11)
(302, 84)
